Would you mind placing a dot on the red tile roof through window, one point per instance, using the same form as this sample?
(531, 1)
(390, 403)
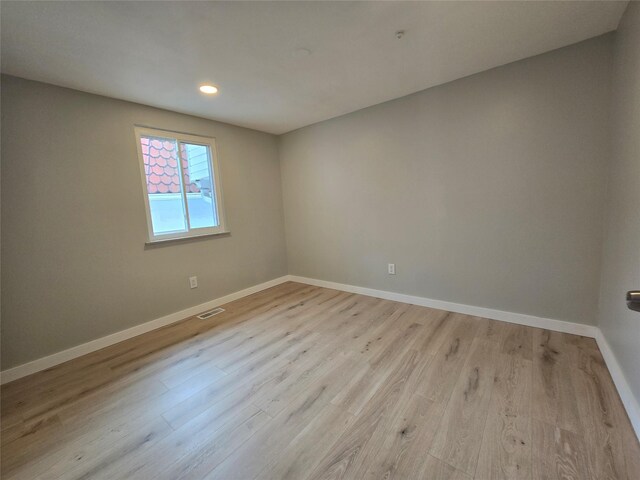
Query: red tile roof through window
(161, 166)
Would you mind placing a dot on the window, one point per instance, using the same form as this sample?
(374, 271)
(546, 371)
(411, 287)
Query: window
(181, 183)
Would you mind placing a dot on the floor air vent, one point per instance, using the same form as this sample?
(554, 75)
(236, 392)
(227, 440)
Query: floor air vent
(210, 313)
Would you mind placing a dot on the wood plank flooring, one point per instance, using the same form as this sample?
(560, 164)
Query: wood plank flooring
(306, 383)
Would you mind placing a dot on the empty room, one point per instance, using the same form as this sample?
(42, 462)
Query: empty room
(313, 240)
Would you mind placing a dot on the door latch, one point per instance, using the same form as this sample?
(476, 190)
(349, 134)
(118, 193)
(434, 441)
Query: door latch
(633, 300)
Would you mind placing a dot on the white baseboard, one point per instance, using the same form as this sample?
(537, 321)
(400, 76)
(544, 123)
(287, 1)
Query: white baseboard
(629, 401)
(60, 357)
(519, 318)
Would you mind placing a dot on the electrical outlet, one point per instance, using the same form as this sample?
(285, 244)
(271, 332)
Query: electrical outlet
(392, 269)
(193, 282)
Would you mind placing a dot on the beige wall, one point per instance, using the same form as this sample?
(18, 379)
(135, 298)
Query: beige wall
(74, 262)
(621, 265)
(486, 191)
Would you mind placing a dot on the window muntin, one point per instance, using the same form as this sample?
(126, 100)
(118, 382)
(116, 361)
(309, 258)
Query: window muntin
(181, 184)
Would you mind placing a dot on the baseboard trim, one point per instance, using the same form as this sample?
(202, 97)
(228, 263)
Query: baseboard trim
(519, 318)
(628, 400)
(40, 364)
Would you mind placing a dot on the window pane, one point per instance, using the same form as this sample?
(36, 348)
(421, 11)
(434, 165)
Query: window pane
(199, 184)
(160, 157)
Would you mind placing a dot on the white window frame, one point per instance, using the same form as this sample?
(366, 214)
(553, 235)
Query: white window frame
(209, 142)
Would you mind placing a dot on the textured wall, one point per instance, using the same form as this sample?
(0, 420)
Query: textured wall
(486, 191)
(74, 262)
(621, 264)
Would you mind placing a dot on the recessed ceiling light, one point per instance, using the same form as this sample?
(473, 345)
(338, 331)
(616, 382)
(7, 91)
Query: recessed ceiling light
(208, 89)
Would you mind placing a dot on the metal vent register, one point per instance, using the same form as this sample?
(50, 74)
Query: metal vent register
(210, 313)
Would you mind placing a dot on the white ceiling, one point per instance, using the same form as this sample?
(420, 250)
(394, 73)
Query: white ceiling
(158, 53)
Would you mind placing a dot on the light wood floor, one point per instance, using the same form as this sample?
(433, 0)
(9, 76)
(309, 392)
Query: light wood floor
(299, 382)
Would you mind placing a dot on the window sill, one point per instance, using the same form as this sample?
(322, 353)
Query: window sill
(165, 241)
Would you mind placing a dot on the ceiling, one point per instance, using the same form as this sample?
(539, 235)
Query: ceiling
(281, 65)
